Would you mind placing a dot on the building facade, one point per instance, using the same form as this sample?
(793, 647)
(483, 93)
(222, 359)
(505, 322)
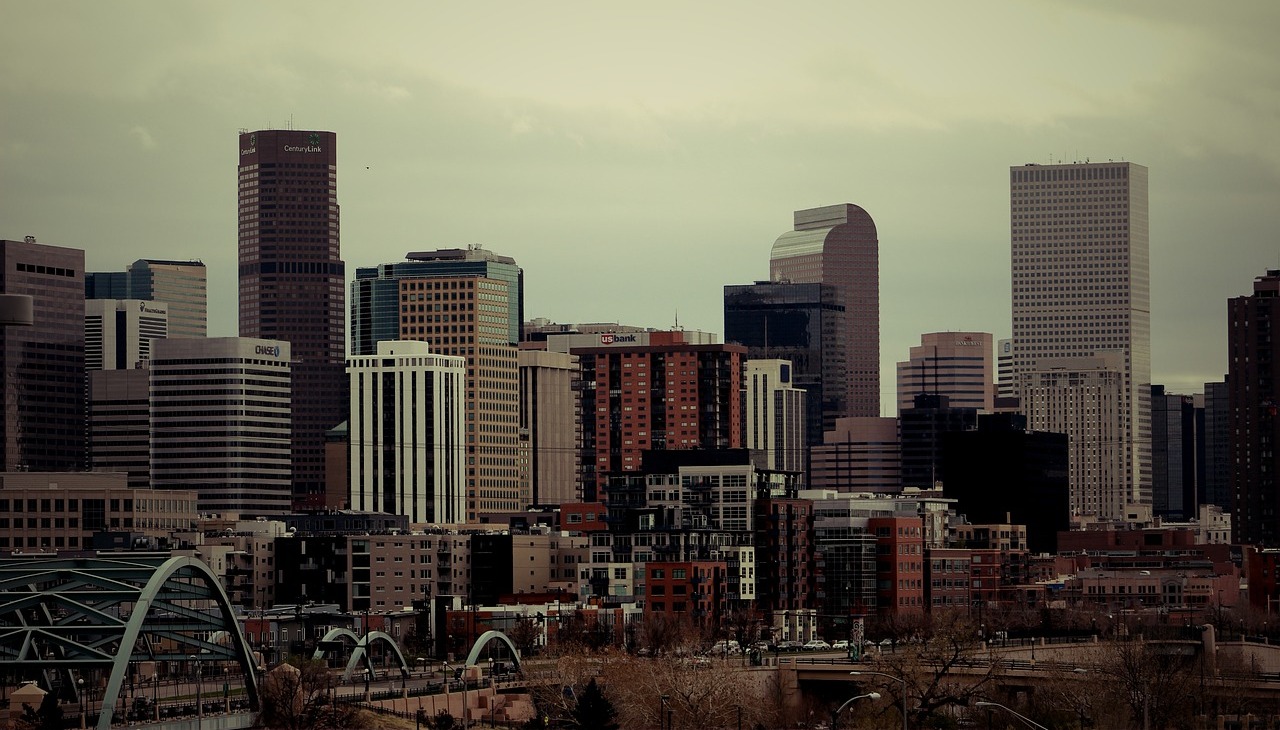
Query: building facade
(838, 245)
(120, 423)
(1173, 455)
(181, 285)
(1253, 396)
(775, 411)
(955, 364)
(292, 281)
(43, 364)
(1081, 287)
(118, 332)
(408, 434)
(549, 414)
(862, 454)
(1084, 398)
(654, 391)
(220, 423)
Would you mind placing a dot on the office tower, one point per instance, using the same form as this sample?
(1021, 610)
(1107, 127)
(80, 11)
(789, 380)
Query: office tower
(837, 245)
(120, 423)
(548, 426)
(1081, 286)
(775, 412)
(805, 325)
(407, 432)
(1002, 472)
(1173, 455)
(954, 364)
(43, 381)
(1215, 448)
(118, 332)
(466, 302)
(220, 422)
(1005, 387)
(1253, 396)
(1084, 398)
(859, 455)
(292, 280)
(181, 285)
(921, 429)
(653, 391)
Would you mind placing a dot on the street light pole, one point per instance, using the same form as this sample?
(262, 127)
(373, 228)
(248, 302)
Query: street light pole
(1024, 718)
(836, 715)
(899, 680)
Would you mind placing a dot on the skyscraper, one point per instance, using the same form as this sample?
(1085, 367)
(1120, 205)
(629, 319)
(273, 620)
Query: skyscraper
(1081, 288)
(803, 324)
(549, 426)
(42, 365)
(468, 303)
(1253, 395)
(837, 245)
(292, 281)
(1173, 455)
(220, 422)
(954, 364)
(408, 447)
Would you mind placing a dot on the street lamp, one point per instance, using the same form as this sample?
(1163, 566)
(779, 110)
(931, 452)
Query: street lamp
(899, 680)
(835, 715)
(199, 692)
(664, 715)
(80, 690)
(1024, 718)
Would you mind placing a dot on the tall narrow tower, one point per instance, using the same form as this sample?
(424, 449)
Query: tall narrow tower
(1081, 289)
(292, 282)
(838, 245)
(1253, 398)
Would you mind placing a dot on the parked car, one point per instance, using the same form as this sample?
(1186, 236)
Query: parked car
(789, 646)
(817, 645)
(841, 644)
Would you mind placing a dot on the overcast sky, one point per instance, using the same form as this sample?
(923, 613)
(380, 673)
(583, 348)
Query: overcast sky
(635, 158)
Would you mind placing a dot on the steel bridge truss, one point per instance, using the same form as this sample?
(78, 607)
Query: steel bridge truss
(64, 621)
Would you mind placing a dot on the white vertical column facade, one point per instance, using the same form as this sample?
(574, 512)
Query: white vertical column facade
(775, 411)
(408, 433)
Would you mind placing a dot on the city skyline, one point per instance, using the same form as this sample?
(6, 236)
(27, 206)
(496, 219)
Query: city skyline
(680, 166)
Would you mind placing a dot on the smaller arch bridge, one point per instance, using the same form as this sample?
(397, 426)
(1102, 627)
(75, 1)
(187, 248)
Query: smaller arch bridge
(66, 621)
(361, 651)
(484, 640)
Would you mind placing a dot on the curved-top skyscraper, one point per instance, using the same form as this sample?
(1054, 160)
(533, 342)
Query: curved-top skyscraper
(837, 245)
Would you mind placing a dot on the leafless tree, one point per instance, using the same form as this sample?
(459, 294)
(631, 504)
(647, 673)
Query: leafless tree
(298, 696)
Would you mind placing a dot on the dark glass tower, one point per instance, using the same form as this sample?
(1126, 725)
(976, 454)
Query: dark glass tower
(42, 365)
(803, 323)
(292, 282)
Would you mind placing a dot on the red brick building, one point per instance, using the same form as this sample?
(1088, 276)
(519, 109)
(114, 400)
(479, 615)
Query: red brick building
(695, 589)
(900, 561)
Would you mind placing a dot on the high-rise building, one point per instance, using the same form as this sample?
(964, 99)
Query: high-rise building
(1214, 457)
(292, 281)
(43, 383)
(954, 364)
(803, 324)
(118, 332)
(1084, 398)
(838, 245)
(220, 422)
(1173, 455)
(1253, 395)
(1081, 287)
(466, 302)
(775, 412)
(181, 285)
(653, 391)
(408, 434)
(549, 426)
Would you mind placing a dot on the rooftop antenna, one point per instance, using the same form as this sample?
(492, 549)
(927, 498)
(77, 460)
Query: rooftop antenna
(677, 318)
